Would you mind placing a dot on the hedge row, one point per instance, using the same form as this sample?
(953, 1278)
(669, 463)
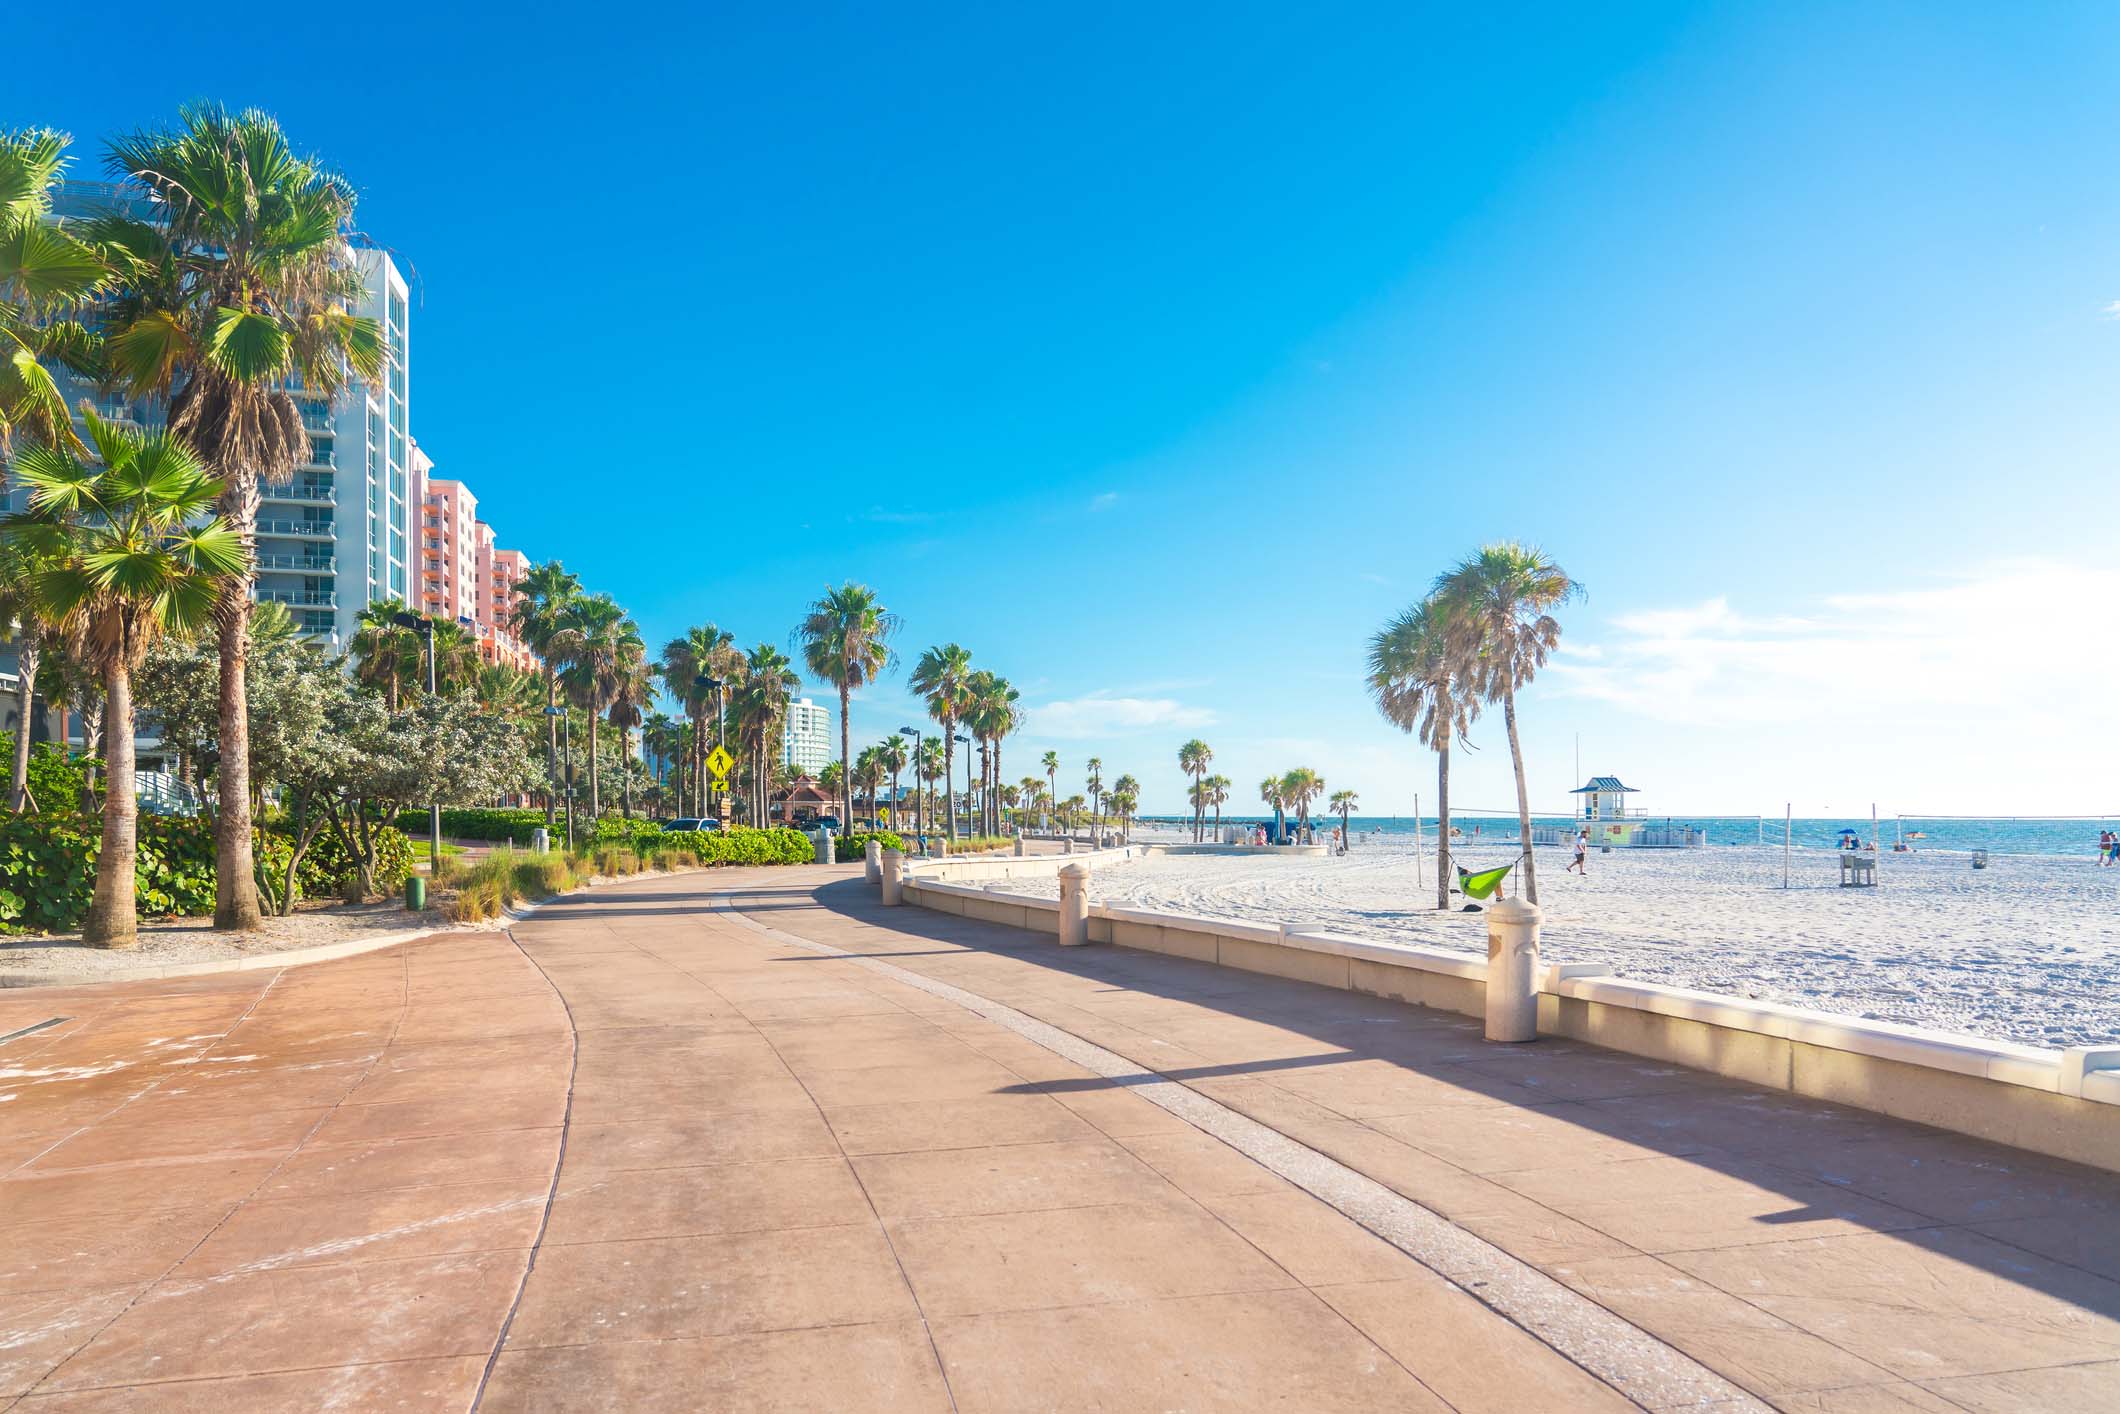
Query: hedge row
(852, 849)
(516, 826)
(48, 867)
(779, 845)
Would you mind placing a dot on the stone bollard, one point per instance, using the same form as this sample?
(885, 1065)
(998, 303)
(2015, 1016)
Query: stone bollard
(1074, 905)
(1512, 970)
(893, 877)
(1067, 844)
(540, 840)
(939, 847)
(872, 860)
(824, 846)
(1019, 846)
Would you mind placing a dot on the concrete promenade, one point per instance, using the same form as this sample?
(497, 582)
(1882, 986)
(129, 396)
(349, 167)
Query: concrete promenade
(745, 1139)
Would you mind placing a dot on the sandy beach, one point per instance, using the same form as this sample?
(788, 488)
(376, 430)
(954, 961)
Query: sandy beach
(2026, 950)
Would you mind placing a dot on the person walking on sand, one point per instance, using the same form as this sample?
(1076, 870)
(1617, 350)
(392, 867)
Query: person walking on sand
(1581, 863)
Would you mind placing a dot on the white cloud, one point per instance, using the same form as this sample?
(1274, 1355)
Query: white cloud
(1992, 651)
(2112, 311)
(1100, 714)
(1104, 501)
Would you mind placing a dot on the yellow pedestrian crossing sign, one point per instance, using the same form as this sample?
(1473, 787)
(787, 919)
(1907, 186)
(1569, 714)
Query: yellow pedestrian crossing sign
(719, 761)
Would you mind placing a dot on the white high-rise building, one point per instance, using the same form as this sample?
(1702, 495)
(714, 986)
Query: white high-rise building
(806, 741)
(334, 540)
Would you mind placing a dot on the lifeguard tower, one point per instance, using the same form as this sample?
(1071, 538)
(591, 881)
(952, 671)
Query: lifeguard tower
(1611, 821)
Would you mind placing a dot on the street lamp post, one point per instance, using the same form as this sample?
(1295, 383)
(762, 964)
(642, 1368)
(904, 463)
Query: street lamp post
(425, 627)
(919, 796)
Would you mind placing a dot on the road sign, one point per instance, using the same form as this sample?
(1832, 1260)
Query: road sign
(719, 761)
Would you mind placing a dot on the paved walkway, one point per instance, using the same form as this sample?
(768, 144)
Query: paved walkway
(744, 1139)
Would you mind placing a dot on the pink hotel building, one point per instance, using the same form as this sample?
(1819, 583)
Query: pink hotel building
(461, 574)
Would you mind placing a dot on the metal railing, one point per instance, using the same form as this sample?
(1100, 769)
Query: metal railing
(316, 529)
(315, 599)
(299, 493)
(320, 564)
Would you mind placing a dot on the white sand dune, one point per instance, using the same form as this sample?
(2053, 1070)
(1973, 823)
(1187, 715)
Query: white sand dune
(2027, 949)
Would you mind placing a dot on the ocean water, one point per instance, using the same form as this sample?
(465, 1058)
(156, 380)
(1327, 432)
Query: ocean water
(1996, 834)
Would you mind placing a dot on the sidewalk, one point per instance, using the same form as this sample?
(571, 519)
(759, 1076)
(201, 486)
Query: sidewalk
(664, 1148)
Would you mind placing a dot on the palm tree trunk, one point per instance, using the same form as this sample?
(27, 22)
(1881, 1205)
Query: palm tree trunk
(846, 759)
(25, 694)
(596, 811)
(1523, 795)
(1442, 818)
(113, 916)
(625, 768)
(235, 905)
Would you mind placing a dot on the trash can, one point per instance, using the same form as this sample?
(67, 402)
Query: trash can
(415, 893)
(540, 840)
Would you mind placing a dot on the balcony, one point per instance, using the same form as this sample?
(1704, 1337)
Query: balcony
(307, 598)
(300, 564)
(315, 495)
(299, 529)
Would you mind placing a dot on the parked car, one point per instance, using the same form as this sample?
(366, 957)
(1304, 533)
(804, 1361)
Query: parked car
(689, 824)
(826, 822)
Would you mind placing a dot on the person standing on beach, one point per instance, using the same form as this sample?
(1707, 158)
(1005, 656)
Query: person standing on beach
(1581, 863)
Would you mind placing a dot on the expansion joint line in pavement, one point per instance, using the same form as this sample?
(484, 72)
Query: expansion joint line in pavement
(559, 1160)
(1615, 1350)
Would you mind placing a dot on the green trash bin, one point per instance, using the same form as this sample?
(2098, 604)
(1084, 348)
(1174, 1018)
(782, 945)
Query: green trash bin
(415, 893)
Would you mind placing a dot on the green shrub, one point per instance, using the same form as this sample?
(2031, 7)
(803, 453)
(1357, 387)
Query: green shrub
(616, 829)
(48, 869)
(510, 826)
(852, 849)
(327, 867)
(779, 845)
(55, 776)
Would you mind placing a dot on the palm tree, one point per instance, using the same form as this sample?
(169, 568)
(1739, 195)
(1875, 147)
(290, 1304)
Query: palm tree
(868, 773)
(1273, 792)
(1502, 635)
(1051, 762)
(126, 552)
(992, 715)
(600, 637)
(1094, 779)
(539, 618)
(237, 290)
(45, 275)
(1414, 676)
(22, 620)
(891, 755)
(930, 769)
(1126, 789)
(845, 641)
(1346, 802)
(1218, 788)
(632, 693)
(1300, 787)
(769, 684)
(456, 660)
(942, 676)
(1193, 759)
(703, 652)
(385, 655)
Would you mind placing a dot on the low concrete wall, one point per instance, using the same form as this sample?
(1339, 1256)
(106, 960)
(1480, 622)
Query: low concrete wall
(2062, 1103)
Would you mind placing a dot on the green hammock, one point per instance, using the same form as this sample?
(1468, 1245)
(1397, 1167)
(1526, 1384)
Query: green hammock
(1484, 883)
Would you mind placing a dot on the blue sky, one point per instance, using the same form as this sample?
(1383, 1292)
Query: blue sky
(1159, 358)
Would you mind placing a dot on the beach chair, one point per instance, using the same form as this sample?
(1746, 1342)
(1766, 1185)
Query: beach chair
(1484, 884)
